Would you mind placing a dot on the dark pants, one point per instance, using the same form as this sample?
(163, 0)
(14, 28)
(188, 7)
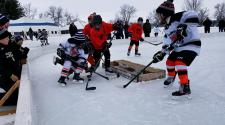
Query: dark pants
(136, 43)
(97, 56)
(147, 34)
(6, 84)
(126, 35)
(207, 29)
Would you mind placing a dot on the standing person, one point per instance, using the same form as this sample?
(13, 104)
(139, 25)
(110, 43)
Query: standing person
(135, 31)
(119, 33)
(182, 43)
(98, 36)
(221, 25)
(207, 24)
(31, 33)
(45, 36)
(126, 27)
(147, 28)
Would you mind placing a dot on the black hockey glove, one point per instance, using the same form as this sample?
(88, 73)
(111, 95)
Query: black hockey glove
(130, 34)
(159, 56)
(108, 44)
(142, 40)
(61, 53)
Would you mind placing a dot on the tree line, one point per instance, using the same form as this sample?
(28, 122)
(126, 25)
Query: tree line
(62, 17)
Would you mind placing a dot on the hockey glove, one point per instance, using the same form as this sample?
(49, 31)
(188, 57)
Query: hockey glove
(108, 44)
(142, 40)
(159, 56)
(14, 78)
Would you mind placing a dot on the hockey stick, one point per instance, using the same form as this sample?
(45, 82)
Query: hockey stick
(89, 88)
(105, 77)
(155, 44)
(124, 86)
(9, 93)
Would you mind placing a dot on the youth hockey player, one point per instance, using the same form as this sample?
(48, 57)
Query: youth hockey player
(98, 36)
(73, 58)
(135, 31)
(182, 43)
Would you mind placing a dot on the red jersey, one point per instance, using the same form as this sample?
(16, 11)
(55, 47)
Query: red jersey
(136, 30)
(87, 30)
(99, 37)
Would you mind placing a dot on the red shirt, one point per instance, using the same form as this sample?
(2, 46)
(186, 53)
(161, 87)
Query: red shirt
(87, 30)
(136, 30)
(99, 37)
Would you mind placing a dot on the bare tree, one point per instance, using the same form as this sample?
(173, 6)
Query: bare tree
(203, 14)
(195, 5)
(127, 12)
(29, 11)
(51, 12)
(68, 18)
(220, 11)
(59, 16)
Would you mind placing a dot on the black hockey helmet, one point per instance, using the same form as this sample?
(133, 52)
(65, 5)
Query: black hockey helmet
(140, 19)
(97, 19)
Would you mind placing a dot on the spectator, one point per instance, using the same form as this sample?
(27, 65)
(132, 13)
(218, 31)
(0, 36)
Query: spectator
(126, 27)
(207, 24)
(147, 28)
(119, 33)
(221, 25)
(31, 33)
(9, 69)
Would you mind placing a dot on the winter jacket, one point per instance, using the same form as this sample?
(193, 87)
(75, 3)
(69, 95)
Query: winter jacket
(147, 27)
(192, 41)
(136, 31)
(87, 30)
(99, 37)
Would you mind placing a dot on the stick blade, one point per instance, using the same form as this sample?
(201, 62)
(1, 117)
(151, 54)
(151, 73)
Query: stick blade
(91, 88)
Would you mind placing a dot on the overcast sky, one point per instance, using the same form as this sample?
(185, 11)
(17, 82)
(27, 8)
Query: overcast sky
(109, 8)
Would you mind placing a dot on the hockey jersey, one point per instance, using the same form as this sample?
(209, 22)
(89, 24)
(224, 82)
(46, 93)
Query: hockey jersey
(72, 50)
(190, 42)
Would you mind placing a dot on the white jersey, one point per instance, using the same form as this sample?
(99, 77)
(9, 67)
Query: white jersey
(156, 30)
(192, 41)
(72, 50)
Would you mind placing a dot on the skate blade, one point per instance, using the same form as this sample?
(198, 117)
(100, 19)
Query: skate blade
(168, 86)
(62, 85)
(184, 97)
(78, 81)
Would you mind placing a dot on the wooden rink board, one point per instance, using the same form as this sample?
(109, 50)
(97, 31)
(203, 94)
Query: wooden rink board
(129, 69)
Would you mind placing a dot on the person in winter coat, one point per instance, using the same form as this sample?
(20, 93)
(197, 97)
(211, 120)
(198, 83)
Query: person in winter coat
(9, 68)
(135, 31)
(181, 42)
(221, 25)
(126, 27)
(207, 24)
(147, 28)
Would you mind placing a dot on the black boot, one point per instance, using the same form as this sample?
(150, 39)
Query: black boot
(184, 90)
(136, 53)
(128, 52)
(77, 78)
(61, 81)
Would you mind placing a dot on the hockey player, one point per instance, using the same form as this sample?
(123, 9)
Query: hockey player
(135, 31)
(98, 36)
(74, 59)
(182, 43)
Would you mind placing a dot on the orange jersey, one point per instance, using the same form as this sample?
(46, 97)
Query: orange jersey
(87, 30)
(136, 30)
(99, 37)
